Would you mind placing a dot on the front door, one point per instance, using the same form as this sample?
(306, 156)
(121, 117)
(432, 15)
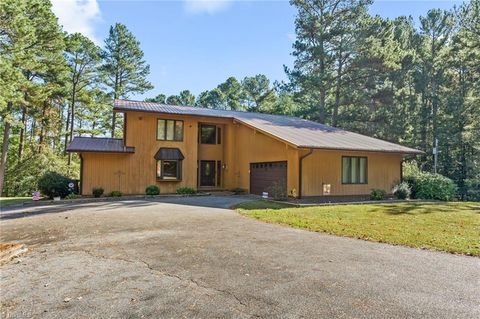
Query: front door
(207, 173)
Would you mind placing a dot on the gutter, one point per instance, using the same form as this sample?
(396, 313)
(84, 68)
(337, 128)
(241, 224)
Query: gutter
(300, 165)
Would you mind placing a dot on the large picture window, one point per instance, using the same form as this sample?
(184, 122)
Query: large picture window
(354, 170)
(169, 130)
(169, 169)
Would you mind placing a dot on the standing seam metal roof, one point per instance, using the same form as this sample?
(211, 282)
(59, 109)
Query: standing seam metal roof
(99, 144)
(299, 132)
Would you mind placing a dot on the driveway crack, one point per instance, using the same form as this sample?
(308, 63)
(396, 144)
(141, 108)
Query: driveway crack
(163, 273)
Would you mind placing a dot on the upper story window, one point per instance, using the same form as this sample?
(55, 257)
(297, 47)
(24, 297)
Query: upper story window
(210, 134)
(169, 130)
(354, 170)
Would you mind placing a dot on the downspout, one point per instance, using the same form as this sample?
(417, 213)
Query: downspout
(300, 164)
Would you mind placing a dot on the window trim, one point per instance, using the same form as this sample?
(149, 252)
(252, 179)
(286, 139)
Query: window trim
(162, 177)
(165, 130)
(366, 170)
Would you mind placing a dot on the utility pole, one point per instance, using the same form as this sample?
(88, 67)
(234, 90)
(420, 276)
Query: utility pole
(435, 156)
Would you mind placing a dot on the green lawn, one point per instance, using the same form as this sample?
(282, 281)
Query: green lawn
(6, 201)
(452, 227)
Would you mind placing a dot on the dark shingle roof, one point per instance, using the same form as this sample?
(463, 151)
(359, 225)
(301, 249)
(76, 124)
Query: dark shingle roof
(296, 131)
(99, 144)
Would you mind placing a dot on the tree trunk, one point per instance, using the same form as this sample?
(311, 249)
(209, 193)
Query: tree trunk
(337, 92)
(114, 98)
(72, 122)
(323, 90)
(6, 140)
(22, 133)
(67, 127)
(42, 129)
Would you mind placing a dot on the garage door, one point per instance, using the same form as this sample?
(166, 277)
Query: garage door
(264, 175)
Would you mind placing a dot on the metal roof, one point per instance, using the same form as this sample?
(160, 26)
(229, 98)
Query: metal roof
(298, 132)
(99, 144)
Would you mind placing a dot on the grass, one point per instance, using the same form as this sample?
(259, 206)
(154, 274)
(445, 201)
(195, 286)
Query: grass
(452, 226)
(7, 201)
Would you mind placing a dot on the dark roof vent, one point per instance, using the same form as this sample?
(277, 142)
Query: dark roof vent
(167, 153)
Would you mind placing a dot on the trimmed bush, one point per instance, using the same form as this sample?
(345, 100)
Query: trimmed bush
(277, 191)
(53, 184)
(186, 191)
(97, 192)
(434, 186)
(152, 190)
(115, 194)
(402, 190)
(72, 196)
(378, 194)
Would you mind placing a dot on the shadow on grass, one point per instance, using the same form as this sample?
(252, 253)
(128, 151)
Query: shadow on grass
(261, 204)
(424, 208)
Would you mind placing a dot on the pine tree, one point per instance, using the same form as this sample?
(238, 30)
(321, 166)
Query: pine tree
(124, 65)
(31, 50)
(83, 58)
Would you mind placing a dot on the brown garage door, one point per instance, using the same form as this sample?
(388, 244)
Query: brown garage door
(264, 175)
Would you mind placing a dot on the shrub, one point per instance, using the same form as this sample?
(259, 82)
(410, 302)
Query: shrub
(152, 190)
(53, 184)
(402, 190)
(412, 183)
(186, 191)
(277, 191)
(22, 176)
(238, 191)
(72, 196)
(434, 186)
(97, 192)
(472, 189)
(115, 194)
(378, 194)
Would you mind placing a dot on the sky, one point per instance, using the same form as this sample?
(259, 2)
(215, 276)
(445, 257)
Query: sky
(198, 44)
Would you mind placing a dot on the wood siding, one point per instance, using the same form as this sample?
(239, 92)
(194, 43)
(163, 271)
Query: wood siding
(325, 167)
(241, 145)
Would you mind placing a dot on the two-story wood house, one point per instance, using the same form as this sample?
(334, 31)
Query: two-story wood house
(175, 146)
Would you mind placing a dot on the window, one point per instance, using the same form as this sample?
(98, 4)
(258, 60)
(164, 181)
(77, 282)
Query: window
(354, 170)
(169, 169)
(208, 134)
(169, 130)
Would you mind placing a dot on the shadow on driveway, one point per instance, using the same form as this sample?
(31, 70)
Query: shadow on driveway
(200, 201)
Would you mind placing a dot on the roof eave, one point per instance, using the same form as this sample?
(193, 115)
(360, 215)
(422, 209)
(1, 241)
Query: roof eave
(413, 151)
(131, 150)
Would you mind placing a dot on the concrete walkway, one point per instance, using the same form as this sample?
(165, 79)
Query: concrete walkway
(186, 257)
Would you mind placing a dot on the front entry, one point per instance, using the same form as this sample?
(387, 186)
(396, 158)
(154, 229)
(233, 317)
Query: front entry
(207, 173)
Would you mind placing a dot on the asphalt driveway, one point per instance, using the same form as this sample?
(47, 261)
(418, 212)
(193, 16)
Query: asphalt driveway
(187, 258)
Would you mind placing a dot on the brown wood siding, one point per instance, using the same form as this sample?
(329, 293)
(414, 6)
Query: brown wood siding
(241, 145)
(325, 167)
(245, 146)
